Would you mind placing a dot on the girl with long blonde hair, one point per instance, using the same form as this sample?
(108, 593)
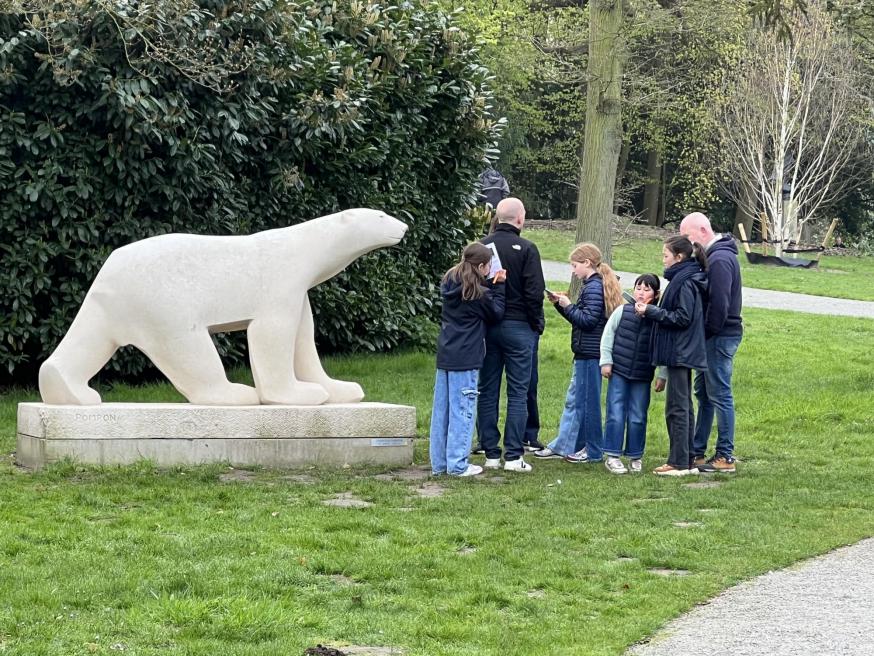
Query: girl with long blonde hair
(600, 295)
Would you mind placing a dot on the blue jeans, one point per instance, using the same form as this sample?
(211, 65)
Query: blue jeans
(509, 344)
(452, 418)
(569, 425)
(713, 390)
(588, 402)
(627, 406)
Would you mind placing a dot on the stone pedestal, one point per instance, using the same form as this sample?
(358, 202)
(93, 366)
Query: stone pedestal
(171, 434)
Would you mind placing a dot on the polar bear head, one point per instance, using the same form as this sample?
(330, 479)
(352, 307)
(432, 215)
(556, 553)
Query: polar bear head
(373, 228)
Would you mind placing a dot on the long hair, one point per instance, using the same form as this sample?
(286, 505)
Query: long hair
(680, 245)
(612, 289)
(467, 270)
(652, 281)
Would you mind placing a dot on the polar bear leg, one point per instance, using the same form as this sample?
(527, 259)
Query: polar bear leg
(269, 339)
(308, 367)
(192, 364)
(63, 378)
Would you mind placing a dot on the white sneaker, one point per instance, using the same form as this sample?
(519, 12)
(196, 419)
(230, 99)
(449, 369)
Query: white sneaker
(517, 465)
(546, 452)
(472, 470)
(636, 466)
(492, 463)
(614, 465)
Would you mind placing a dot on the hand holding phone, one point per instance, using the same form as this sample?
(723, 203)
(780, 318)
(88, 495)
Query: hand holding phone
(551, 295)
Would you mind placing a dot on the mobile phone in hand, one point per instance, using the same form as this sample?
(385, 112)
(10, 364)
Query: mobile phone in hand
(628, 297)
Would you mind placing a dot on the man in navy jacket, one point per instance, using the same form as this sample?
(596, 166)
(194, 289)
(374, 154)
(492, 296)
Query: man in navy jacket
(723, 329)
(510, 343)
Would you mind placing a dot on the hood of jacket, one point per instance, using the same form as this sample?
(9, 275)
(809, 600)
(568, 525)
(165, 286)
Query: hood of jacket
(724, 244)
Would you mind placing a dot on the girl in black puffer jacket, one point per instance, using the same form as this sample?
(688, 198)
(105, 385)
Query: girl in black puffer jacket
(678, 344)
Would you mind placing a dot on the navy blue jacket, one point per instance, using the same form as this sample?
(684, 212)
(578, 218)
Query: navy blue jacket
(588, 318)
(631, 346)
(678, 336)
(461, 345)
(722, 313)
(521, 259)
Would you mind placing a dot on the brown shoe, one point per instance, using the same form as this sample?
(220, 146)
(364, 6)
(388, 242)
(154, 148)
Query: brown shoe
(670, 470)
(718, 465)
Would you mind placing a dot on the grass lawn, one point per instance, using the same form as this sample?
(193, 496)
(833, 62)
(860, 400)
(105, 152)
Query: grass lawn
(190, 561)
(837, 276)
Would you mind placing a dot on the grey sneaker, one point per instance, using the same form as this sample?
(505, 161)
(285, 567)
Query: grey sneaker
(579, 457)
(636, 465)
(546, 452)
(614, 465)
(492, 463)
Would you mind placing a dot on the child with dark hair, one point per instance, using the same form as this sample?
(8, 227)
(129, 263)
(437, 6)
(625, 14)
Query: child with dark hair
(626, 362)
(469, 303)
(678, 344)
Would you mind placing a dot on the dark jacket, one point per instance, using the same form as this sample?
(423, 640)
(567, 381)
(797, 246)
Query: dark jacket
(722, 313)
(524, 286)
(461, 345)
(588, 318)
(493, 187)
(678, 336)
(631, 346)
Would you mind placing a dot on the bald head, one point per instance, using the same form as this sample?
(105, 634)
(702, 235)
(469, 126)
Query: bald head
(511, 210)
(697, 228)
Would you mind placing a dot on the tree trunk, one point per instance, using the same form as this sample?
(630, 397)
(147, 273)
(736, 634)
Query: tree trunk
(620, 173)
(744, 209)
(651, 189)
(603, 135)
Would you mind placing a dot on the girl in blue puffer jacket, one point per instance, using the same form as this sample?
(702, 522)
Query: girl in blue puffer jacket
(601, 294)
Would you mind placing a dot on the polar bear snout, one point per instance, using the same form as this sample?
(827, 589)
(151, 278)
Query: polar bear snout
(384, 229)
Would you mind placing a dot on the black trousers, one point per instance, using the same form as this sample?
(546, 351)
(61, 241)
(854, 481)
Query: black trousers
(679, 416)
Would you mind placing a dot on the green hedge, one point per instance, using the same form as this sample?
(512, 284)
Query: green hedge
(118, 123)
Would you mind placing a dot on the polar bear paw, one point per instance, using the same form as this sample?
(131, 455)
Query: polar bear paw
(298, 393)
(341, 391)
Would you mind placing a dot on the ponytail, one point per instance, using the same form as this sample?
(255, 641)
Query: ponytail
(700, 254)
(467, 271)
(612, 288)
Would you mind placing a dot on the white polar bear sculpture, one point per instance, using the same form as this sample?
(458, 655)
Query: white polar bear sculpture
(166, 294)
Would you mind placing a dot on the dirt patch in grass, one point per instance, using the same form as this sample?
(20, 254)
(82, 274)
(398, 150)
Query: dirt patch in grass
(665, 571)
(347, 500)
(237, 476)
(405, 474)
(702, 485)
(305, 479)
(429, 490)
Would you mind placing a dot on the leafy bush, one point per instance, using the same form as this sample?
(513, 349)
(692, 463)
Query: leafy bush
(121, 121)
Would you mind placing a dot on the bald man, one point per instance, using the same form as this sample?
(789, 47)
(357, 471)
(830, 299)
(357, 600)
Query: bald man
(510, 344)
(723, 329)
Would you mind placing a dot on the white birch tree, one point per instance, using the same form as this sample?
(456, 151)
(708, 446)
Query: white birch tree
(792, 124)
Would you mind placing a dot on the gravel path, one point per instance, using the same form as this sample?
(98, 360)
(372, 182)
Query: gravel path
(760, 298)
(820, 606)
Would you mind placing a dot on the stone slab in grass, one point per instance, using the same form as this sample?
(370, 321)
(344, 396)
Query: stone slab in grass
(174, 434)
(346, 500)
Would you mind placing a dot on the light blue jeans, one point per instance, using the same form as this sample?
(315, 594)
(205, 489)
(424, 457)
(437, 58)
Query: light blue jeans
(565, 442)
(452, 419)
(713, 389)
